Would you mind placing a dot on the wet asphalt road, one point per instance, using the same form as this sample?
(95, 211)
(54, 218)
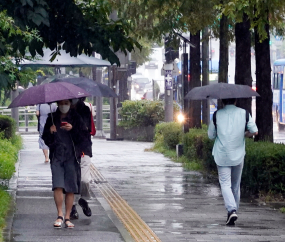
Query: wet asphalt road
(178, 205)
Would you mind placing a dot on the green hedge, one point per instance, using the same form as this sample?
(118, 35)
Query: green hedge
(8, 155)
(169, 134)
(264, 168)
(7, 126)
(10, 144)
(142, 113)
(197, 145)
(264, 165)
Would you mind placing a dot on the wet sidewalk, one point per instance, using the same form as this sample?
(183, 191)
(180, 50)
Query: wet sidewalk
(177, 205)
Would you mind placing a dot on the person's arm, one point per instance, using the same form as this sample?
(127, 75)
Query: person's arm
(212, 133)
(48, 131)
(92, 111)
(38, 110)
(252, 128)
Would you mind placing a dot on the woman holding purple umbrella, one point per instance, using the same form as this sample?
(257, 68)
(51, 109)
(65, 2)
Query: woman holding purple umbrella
(64, 133)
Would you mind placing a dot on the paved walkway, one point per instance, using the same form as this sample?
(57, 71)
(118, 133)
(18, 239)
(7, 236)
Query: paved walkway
(178, 205)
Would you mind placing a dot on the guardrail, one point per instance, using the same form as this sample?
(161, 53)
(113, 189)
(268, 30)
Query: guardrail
(28, 120)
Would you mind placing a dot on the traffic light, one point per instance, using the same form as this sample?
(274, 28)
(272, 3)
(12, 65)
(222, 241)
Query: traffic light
(171, 49)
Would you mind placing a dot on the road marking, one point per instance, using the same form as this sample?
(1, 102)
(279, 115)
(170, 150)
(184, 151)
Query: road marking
(138, 229)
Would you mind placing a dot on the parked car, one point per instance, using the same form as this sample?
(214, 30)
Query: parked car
(152, 64)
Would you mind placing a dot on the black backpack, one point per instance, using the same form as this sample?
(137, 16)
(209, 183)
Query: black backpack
(246, 119)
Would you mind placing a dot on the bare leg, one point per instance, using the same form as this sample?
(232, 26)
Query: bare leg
(69, 198)
(58, 199)
(46, 155)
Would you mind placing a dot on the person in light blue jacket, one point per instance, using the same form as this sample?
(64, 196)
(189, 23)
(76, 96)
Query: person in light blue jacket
(229, 151)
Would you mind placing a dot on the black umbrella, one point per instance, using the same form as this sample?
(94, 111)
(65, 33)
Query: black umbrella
(96, 89)
(221, 91)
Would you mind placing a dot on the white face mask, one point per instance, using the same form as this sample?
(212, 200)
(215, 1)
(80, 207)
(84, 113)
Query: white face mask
(64, 108)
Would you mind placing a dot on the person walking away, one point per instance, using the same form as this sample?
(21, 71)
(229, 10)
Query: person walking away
(64, 133)
(42, 111)
(228, 129)
(84, 110)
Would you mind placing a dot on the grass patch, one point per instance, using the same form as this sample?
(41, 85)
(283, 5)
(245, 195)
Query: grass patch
(10, 144)
(5, 200)
(194, 165)
(8, 155)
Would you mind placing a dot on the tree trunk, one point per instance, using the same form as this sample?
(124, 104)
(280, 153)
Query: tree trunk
(243, 59)
(195, 72)
(264, 120)
(224, 52)
(205, 74)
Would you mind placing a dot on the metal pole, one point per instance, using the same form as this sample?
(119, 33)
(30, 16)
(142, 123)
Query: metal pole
(15, 111)
(113, 103)
(99, 110)
(26, 120)
(168, 94)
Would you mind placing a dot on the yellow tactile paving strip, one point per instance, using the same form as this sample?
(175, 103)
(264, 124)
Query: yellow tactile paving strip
(138, 229)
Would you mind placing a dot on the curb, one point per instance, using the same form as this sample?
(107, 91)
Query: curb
(12, 190)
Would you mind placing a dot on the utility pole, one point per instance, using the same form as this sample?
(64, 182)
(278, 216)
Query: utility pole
(170, 55)
(168, 92)
(112, 79)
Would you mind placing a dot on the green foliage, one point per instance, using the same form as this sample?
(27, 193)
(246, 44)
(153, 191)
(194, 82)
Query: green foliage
(13, 44)
(264, 168)
(260, 13)
(141, 113)
(7, 126)
(198, 146)
(152, 19)
(5, 200)
(10, 144)
(87, 27)
(8, 157)
(282, 210)
(142, 55)
(170, 134)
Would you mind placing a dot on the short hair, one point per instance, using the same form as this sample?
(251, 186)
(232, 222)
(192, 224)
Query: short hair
(229, 101)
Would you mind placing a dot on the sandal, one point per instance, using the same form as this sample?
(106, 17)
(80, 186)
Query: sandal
(58, 224)
(68, 224)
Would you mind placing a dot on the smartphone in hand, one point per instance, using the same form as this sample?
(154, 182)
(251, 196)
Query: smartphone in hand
(63, 124)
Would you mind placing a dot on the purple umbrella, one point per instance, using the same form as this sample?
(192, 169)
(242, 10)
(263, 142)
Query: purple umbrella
(48, 93)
